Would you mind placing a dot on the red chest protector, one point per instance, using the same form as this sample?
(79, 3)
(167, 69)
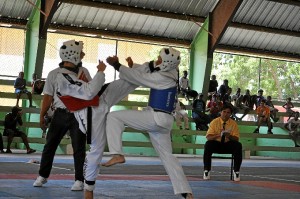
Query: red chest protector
(75, 104)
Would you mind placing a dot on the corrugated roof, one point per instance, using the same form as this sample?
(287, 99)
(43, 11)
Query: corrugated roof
(269, 14)
(262, 25)
(19, 9)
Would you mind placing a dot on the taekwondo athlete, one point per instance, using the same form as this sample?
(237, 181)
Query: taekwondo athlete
(157, 120)
(110, 94)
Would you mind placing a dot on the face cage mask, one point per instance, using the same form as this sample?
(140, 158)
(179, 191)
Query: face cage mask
(70, 51)
(170, 59)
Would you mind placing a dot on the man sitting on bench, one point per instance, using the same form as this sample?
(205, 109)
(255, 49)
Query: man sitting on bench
(263, 116)
(11, 130)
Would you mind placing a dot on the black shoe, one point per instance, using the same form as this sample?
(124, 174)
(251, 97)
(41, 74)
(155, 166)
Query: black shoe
(8, 151)
(297, 145)
(270, 132)
(31, 151)
(256, 131)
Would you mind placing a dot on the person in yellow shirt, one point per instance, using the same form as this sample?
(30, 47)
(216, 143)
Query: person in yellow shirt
(223, 137)
(263, 116)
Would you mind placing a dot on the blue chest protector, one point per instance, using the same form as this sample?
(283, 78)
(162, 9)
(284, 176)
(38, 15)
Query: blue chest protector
(163, 100)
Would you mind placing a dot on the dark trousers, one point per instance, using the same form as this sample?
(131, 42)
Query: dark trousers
(61, 122)
(230, 147)
(1, 142)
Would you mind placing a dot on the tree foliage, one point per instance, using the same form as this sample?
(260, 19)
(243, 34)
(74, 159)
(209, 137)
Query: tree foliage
(279, 79)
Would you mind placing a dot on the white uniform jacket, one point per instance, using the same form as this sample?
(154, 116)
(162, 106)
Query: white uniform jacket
(156, 80)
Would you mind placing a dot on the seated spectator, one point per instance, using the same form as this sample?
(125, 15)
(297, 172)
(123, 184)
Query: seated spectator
(180, 114)
(293, 126)
(198, 113)
(185, 89)
(214, 107)
(223, 137)
(263, 116)
(238, 103)
(213, 85)
(249, 100)
(11, 130)
(20, 88)
(227, 101)
(1, 144)
(273, 110)
(238, 92)
(223, 89)
(288, 107)
(37, 84)
(259, 97)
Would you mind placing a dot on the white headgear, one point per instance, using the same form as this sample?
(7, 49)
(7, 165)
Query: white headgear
(70, 51)
(170, 59)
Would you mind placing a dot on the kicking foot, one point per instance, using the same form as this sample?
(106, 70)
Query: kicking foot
(187, 195)
(116, 159)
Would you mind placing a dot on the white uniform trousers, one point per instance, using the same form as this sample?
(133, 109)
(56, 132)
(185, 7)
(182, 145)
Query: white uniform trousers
(159, 136)
(115, 92)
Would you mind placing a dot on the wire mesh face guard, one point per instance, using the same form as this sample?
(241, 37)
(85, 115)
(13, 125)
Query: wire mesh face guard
(70, 51)
(170, 59)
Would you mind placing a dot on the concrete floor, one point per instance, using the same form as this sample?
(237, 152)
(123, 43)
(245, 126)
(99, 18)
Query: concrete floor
(145, 178)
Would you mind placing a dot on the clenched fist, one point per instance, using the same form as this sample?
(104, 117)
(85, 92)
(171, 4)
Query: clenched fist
(114, 61)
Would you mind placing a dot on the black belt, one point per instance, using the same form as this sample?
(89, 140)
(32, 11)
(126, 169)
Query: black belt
(62, 110)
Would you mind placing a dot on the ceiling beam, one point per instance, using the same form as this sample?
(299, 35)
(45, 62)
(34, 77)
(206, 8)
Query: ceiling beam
(74, 30)
(172, 42)
(49, 7)
(258, 53)
(130, 9)
(264, 29)
(15, 23)
(178, 16)
(219, 20)
(288, 2)
(21, 23)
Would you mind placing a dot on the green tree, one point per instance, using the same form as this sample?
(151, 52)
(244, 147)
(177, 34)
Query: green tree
(280, 79)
